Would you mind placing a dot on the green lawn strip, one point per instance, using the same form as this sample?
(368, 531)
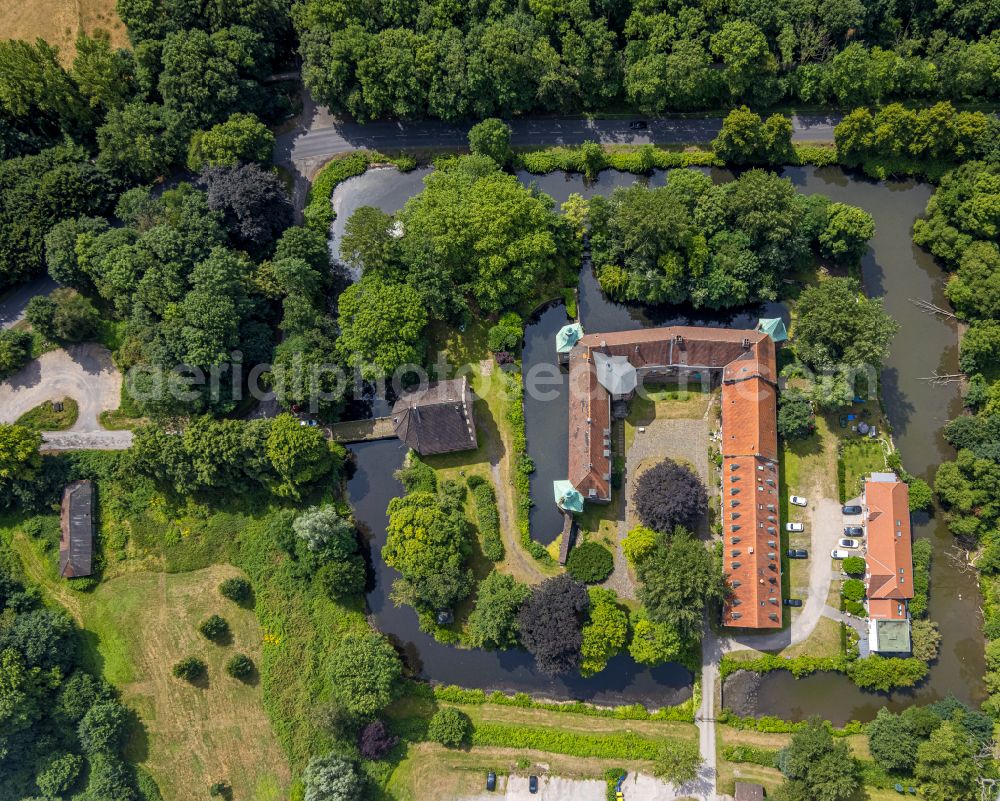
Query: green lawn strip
(625, 745)
(683, 712)
(126, 416)
(44, 417)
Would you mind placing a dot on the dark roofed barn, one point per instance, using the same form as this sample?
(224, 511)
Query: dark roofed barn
(437, 418)
(76, 540)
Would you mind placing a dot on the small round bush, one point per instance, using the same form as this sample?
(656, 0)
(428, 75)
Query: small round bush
(219, 789)
(240, 666)
(854, 565)
(214, 628)
(375, 740)
(190, 668)
(853, 589)
(450, 727)
(590, 563)
(236, 589)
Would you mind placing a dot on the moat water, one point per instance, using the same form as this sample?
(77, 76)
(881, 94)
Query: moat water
(893, 268)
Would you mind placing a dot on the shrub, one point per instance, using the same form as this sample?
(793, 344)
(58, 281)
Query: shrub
(214, 628)
(491, 137)
(590, 563)
(926, 639)
(450, 727)
(853, 589)
(416, 475)
(237, 589)
(639, 544)
(879, 673)
(190, 668)
(219, 789)
(921, 577)
(855, 608)
(375, 740)
(15, 350)
(921, 495)
(488, 518)
(240, 666)
(854, 565)
(507, 334)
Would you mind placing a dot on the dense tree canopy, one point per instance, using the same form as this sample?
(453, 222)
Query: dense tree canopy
(428, 542)
(679, 578)
(364, 672)
(422, 59)
(668, 495)
(837, 325)
(551, 624)
(818, 768)
(57, 722)
(714, 246)
(493, 622)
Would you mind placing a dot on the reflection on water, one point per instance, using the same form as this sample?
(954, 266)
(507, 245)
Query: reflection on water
(893, 268)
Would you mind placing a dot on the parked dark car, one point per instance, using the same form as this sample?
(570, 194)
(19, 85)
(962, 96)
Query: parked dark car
(491, 781)
(854, 531)
(638, 125)
(798, 553)
(796, 602)
(852, 510)
(532, 784)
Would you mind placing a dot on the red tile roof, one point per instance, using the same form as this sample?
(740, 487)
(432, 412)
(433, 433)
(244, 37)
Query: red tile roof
(889, 545)
(747, 363)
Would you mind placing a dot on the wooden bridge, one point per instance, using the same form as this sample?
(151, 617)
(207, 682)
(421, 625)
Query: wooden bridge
(568, 535)
(360, 430)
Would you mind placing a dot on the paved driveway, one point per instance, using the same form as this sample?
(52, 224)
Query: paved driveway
(82, 372)
(13, 304)
(824, 523)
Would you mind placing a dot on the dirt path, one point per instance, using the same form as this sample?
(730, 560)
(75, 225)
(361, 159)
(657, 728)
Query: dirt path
(519, 564)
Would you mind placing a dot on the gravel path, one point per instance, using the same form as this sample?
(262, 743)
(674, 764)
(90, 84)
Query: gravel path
(81, 372)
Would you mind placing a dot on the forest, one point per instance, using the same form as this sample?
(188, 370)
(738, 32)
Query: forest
(453, 62)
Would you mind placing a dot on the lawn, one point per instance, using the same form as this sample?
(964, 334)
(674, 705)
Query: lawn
(858, 458)
(136, 627)
(126, 416)
(44, 417)
(60, 21)
(580, 746)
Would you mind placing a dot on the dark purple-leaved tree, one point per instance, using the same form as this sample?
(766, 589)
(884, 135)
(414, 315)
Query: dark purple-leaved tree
(376, 740)
(670, 495)
(551, 624)
(254, 202)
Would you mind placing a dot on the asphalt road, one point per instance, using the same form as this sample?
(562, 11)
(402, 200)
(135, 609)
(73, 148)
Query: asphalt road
(323, 135)
(13, 304)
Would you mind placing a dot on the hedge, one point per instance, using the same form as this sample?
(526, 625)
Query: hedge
(921, 577)
(318, 212)
(626, 745)
(639, 160)
(487, 518)
(522, 466)
(683, 712)
(768, 724)
(765, 757)
(871, 673)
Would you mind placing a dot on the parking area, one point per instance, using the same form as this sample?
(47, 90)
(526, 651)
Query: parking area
(550, 788)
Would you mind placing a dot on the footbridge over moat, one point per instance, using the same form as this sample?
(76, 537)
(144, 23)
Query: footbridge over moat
(370, 430)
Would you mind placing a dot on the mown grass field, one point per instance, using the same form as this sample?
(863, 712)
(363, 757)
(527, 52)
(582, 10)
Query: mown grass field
(136, 626)
(59, 21)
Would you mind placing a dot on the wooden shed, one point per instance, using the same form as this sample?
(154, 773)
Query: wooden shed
(76, 540)
(748, 791)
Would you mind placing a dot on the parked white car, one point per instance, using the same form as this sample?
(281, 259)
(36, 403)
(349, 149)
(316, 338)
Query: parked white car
(849, 542)
(794, 527)
(839, 553)
(798, 500)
